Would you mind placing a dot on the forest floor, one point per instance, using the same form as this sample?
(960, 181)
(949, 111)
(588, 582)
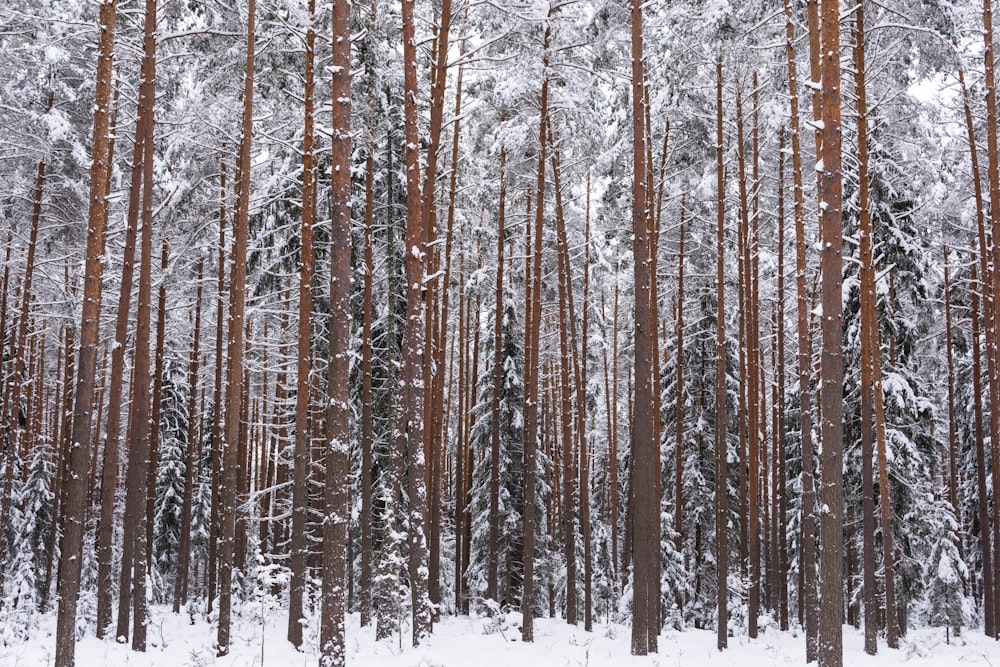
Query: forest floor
(174, 641)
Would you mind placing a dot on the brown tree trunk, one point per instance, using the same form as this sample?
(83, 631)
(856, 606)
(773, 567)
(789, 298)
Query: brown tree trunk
(192, 459)
(721, 446)
(410, 429)
(532, 328)
(981, 500)
(433, 368)
(566, 395)
(983, 286)
(581, 400)
(300, 458)
(645, 449)
(952, 425)
(230, 467)
(867, 271)
(132, 582)
(993, 152)
(679, 398)
(154, 426)
(338, 430)
(808, 604)
(217, 415)
(493, 553)
(831, 612)
(780, 501)
(71, 545)
(461, 545)
(366, 393)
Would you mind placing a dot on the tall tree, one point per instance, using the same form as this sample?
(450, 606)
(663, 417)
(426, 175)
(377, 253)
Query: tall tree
(410, 428)
(645, 451)
(831, 493)
(338, 431)
(191, 467)
(721, 445)
(230, 465)
(303, 361)
(71, 544)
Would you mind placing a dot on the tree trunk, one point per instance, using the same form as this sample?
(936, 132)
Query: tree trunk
(532, 328)
(192, 459)
(831, 613)
(493, 555)
(338, 428)
(230, 467)
(993, 152)
(300, 459)
(216, 443)
(645, 449)
(983, 286)
(721, 446)
(410, 430)
(154, 426)
(808, 603)
(867, 271)
(71, 545)
(566, 395)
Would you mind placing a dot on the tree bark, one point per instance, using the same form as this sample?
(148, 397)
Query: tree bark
(807, 595)
(338, 428)
(645, 449)
(192, 459)
(303, 362)
(71, 545)
(493, 555)
(410, 430)
(867, 271)
(721, 446)
(230, 467)
(831, 611)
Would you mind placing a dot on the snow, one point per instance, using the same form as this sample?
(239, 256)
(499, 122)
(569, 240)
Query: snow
(174, 641)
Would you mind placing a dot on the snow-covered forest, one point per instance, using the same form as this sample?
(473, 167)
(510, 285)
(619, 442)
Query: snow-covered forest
(384, 328)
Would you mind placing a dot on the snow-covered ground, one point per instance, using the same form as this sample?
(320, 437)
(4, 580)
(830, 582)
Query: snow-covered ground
(480, 642)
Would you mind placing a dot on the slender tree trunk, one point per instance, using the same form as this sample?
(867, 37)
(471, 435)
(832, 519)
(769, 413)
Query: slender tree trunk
(216, 444)
(679, 397)
(432, 358)
(751, 465)
(808, 604)
(645, 449)
(410, 430)
(993, 152)
(581, 399)
(234, 387)
(366, 393)
(780, 503)
(984, 285)
(192, 459)
(831, 613)
(981, 500)
(721, 446)
(300, 459)
(566, 322)
(338, 430)
(493, 554)
(952, 426)
(532, 325)
(867, 271)
(461, 545)
(71, 545)
(154, 427)
(616, 557)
